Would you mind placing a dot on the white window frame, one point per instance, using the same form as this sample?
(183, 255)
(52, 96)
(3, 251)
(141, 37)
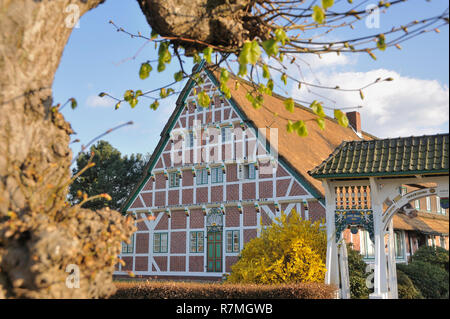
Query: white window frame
(174, 180)
(428, 203)
(202, 176)
(216, 175)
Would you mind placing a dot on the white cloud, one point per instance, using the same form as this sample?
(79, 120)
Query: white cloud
(403, 107)
(97, 101)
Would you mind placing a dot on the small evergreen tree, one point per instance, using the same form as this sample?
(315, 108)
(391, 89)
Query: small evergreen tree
(290, 250)
(113, 174)
(357, 273)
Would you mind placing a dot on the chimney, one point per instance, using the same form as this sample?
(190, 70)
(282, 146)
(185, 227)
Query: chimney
(354, 119)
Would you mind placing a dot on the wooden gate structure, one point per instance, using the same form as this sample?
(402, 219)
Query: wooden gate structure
(361, 181)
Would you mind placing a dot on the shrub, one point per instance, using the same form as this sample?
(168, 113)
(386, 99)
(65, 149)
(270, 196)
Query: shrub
(434, 255)
(429, 279)
(357, 273)
(192, 290)
(406, 288)
(291, 250)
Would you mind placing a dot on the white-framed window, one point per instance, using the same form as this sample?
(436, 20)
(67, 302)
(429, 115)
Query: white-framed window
(438, 205)
(367, 246)
(233, 243)
(249, 171)
(128, 248)
(160, 242)
(216, 175)
(399, 245)
(174, 179)
(189, 141)
(417, 204)
(196, 242)
(225, 132)
(202, 176)
(428, 201)
(402, 190)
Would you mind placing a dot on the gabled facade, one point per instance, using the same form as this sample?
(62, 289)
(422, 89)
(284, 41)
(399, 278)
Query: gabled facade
(218, 176)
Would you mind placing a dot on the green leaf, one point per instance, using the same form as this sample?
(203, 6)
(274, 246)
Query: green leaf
(178, 76)
(203, 99)
(318, 14)
(327, 4)
(301, 128)
(271, 47)
(117, 106)
(163, 93)
(73, 103)
(207, 54)
(289, 105)
(250, 53)
(154, 105)
(242, 69)
(225, 90)
(281, 36)
(128, 95)
(284, 78)
(321, 122)
(224, 75)
(236, 85)
(317, 108)
(361, 94)
(197, 58)
(289, 127)
(381, 42)
(266, 73)
(102, 94)
(145, 70)
(153, 35)
(133, 102)
(341, 118)
(258, 101)
(270, 84)
(161, 66)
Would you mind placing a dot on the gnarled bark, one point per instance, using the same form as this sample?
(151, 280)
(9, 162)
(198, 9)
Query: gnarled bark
(39, 234)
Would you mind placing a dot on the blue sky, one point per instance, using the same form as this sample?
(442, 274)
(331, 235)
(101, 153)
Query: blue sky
(99, 59)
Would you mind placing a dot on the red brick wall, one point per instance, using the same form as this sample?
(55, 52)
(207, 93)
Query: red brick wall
(249, 234)
(196, 218)
(178, 219)
(233, 192)
(160, 181)
(177, 263)
(232, 216)
(178, 242)
(163, 222)
(161, 261)
(248, 191)
(196, 263)
(147, 197)
(216, 193)
(316, 211)
(202, 194)
(297, 190)
(229, 262)
(266, 189)
(142, 243)
(174, 198)
(282, 187)
(149, 185)
(141, 263)
(249, 215)
(188, 178)
(231, 173)
(160, 198)
(187, 196)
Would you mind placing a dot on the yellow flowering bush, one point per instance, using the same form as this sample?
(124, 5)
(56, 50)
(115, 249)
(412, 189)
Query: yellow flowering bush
(291, 250)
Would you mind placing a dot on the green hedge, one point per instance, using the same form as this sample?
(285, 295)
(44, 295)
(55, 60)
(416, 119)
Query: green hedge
(192, 290)
(429, 279)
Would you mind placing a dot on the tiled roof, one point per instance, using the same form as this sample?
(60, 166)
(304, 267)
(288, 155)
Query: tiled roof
(427, 223)
(413, 155)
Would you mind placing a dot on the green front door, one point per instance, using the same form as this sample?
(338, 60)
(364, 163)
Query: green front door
(214, 260)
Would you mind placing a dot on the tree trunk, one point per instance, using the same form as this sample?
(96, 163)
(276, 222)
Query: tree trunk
(40, 235)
